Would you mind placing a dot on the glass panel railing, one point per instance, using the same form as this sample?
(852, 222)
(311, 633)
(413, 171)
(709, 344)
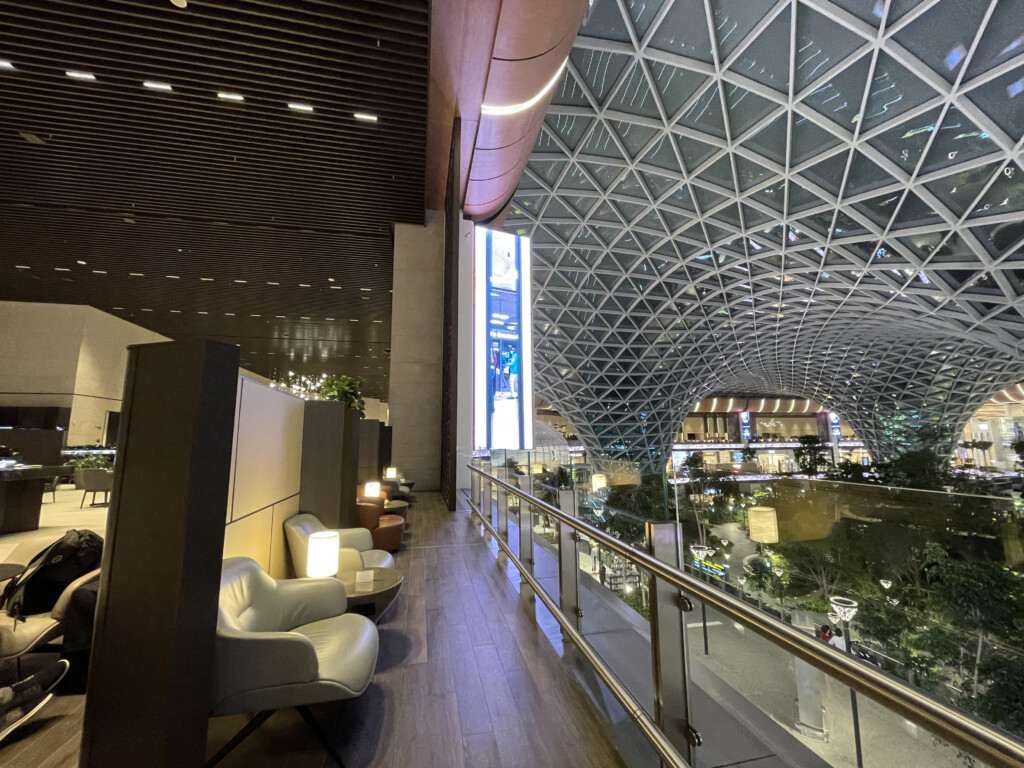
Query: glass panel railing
(754, 680)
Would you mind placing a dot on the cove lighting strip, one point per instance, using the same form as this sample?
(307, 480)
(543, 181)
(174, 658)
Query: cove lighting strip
(512, 109)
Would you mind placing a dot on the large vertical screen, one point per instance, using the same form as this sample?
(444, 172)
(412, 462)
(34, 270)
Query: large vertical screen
(503, 352)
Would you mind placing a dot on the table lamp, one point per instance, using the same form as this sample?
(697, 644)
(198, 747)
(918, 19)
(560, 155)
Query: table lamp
(391, 473)
(598, 481)
(372, 490)
(322, 554)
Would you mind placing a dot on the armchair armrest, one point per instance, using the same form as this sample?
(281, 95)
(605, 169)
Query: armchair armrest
(356, 538)
(349, 560)
(61, 606)
(248, 661)
(303, 601)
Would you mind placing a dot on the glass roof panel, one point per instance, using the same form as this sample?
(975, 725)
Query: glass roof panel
(1002, 39)
(745, 108)
(959, 190)
(1002, 100)
(957, 141)
(605, 22)
(766, 60)
(705, 114)
(634, 96)
(598, 69)
(942, 35)
(822, 45)
(678, 33)
(894, 90)
(734, 19)
(674, 84)
(839, 99)
(770, 141)
(642, 13)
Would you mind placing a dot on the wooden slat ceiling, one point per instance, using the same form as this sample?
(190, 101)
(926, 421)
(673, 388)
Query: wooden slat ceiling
(193, 215)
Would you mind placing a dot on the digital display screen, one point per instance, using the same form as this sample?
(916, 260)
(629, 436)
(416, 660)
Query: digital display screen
(503, 352)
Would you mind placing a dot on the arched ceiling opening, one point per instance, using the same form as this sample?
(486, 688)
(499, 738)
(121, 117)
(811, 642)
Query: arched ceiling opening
(822, 198)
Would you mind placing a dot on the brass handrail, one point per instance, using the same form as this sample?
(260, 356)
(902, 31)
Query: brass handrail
(997, 749)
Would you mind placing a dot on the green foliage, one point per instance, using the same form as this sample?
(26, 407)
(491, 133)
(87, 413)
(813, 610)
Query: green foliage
(646, 500)
(91, 461)
(810, 456)
(635, 601)
(850, 471)
(345, 389)
(922, 468)
(748, 454)
(513, 467)
(1018, 448)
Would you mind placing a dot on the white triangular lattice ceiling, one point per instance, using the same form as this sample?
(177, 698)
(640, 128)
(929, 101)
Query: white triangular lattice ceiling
(822, 199)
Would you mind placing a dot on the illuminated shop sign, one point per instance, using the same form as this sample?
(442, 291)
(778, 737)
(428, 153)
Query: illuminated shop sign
(833, 425)
(745, 425)
(502, 344)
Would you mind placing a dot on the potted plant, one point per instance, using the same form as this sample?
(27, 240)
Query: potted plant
(88, 461)
(345, 389)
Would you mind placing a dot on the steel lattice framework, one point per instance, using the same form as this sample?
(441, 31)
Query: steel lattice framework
(815, 198)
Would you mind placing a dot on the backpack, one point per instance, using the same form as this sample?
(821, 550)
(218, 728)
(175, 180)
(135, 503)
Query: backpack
(48, 574)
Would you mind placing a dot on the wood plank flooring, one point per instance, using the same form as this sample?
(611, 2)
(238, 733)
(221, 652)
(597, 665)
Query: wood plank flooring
(467, 678)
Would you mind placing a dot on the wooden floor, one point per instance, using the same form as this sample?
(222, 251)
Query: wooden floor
(466, 677)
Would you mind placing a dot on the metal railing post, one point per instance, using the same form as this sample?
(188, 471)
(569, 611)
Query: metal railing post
(569, 571)
(668, 642)
(502, 513)
(474, 488)
(485, 500)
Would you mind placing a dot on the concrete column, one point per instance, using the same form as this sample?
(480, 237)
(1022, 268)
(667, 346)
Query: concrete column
(414, 397)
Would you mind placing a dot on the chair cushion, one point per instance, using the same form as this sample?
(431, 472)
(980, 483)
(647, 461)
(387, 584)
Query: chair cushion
(18, 637)
(377, 558)
(346, 649)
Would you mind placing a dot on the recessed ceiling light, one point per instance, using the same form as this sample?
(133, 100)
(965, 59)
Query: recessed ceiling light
(229, 314)
(117, 307)
(144, 309)
(79, 261)
(128, 220)
(352, 320)
(330, 279)
(366, 289)
(304, 285)
(269, 283)
(99, 271)
(31, 138)
(79, 75)
(230, 96)
(255, 315)
(61, 269)
(154, 85)
(179, 3)
(299, 107)
(335, 287)
(175, 311)
(22, 266)
(303, 317)
(241, 281)
(329, 318)
(5, 64)
(378, 321)
(202, 313)
(279, 317)
(206, 279)
(135, 274)
(173, 277)
(366, 118)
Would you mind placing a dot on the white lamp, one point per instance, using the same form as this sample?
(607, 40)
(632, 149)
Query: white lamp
(322, 554)
(372, 490)
(391, 473)
(598, 481)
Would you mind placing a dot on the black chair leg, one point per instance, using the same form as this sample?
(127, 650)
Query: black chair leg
(239, 737)
(84, 494)
(315, 727)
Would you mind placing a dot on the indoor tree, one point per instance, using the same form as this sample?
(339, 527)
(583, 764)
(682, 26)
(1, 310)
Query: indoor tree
(810, 456)
(345, 389)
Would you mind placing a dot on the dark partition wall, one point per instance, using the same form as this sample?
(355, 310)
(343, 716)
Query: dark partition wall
(152, 671)
(449, 358)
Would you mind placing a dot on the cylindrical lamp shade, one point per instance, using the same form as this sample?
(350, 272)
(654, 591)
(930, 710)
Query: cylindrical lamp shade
(322, 554)
(598, 481)
(764, 525)
(391, 473)
(372, 490)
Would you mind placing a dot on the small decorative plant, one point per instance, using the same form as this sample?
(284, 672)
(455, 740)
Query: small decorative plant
(345, 389)
(91, 461)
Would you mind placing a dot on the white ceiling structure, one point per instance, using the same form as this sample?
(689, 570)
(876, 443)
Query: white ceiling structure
(814, 198)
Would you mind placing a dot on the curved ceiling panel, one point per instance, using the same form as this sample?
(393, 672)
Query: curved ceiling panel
(756, 198)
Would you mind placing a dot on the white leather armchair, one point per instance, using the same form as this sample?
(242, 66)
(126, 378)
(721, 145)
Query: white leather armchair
(356, 553)
(286, 644)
